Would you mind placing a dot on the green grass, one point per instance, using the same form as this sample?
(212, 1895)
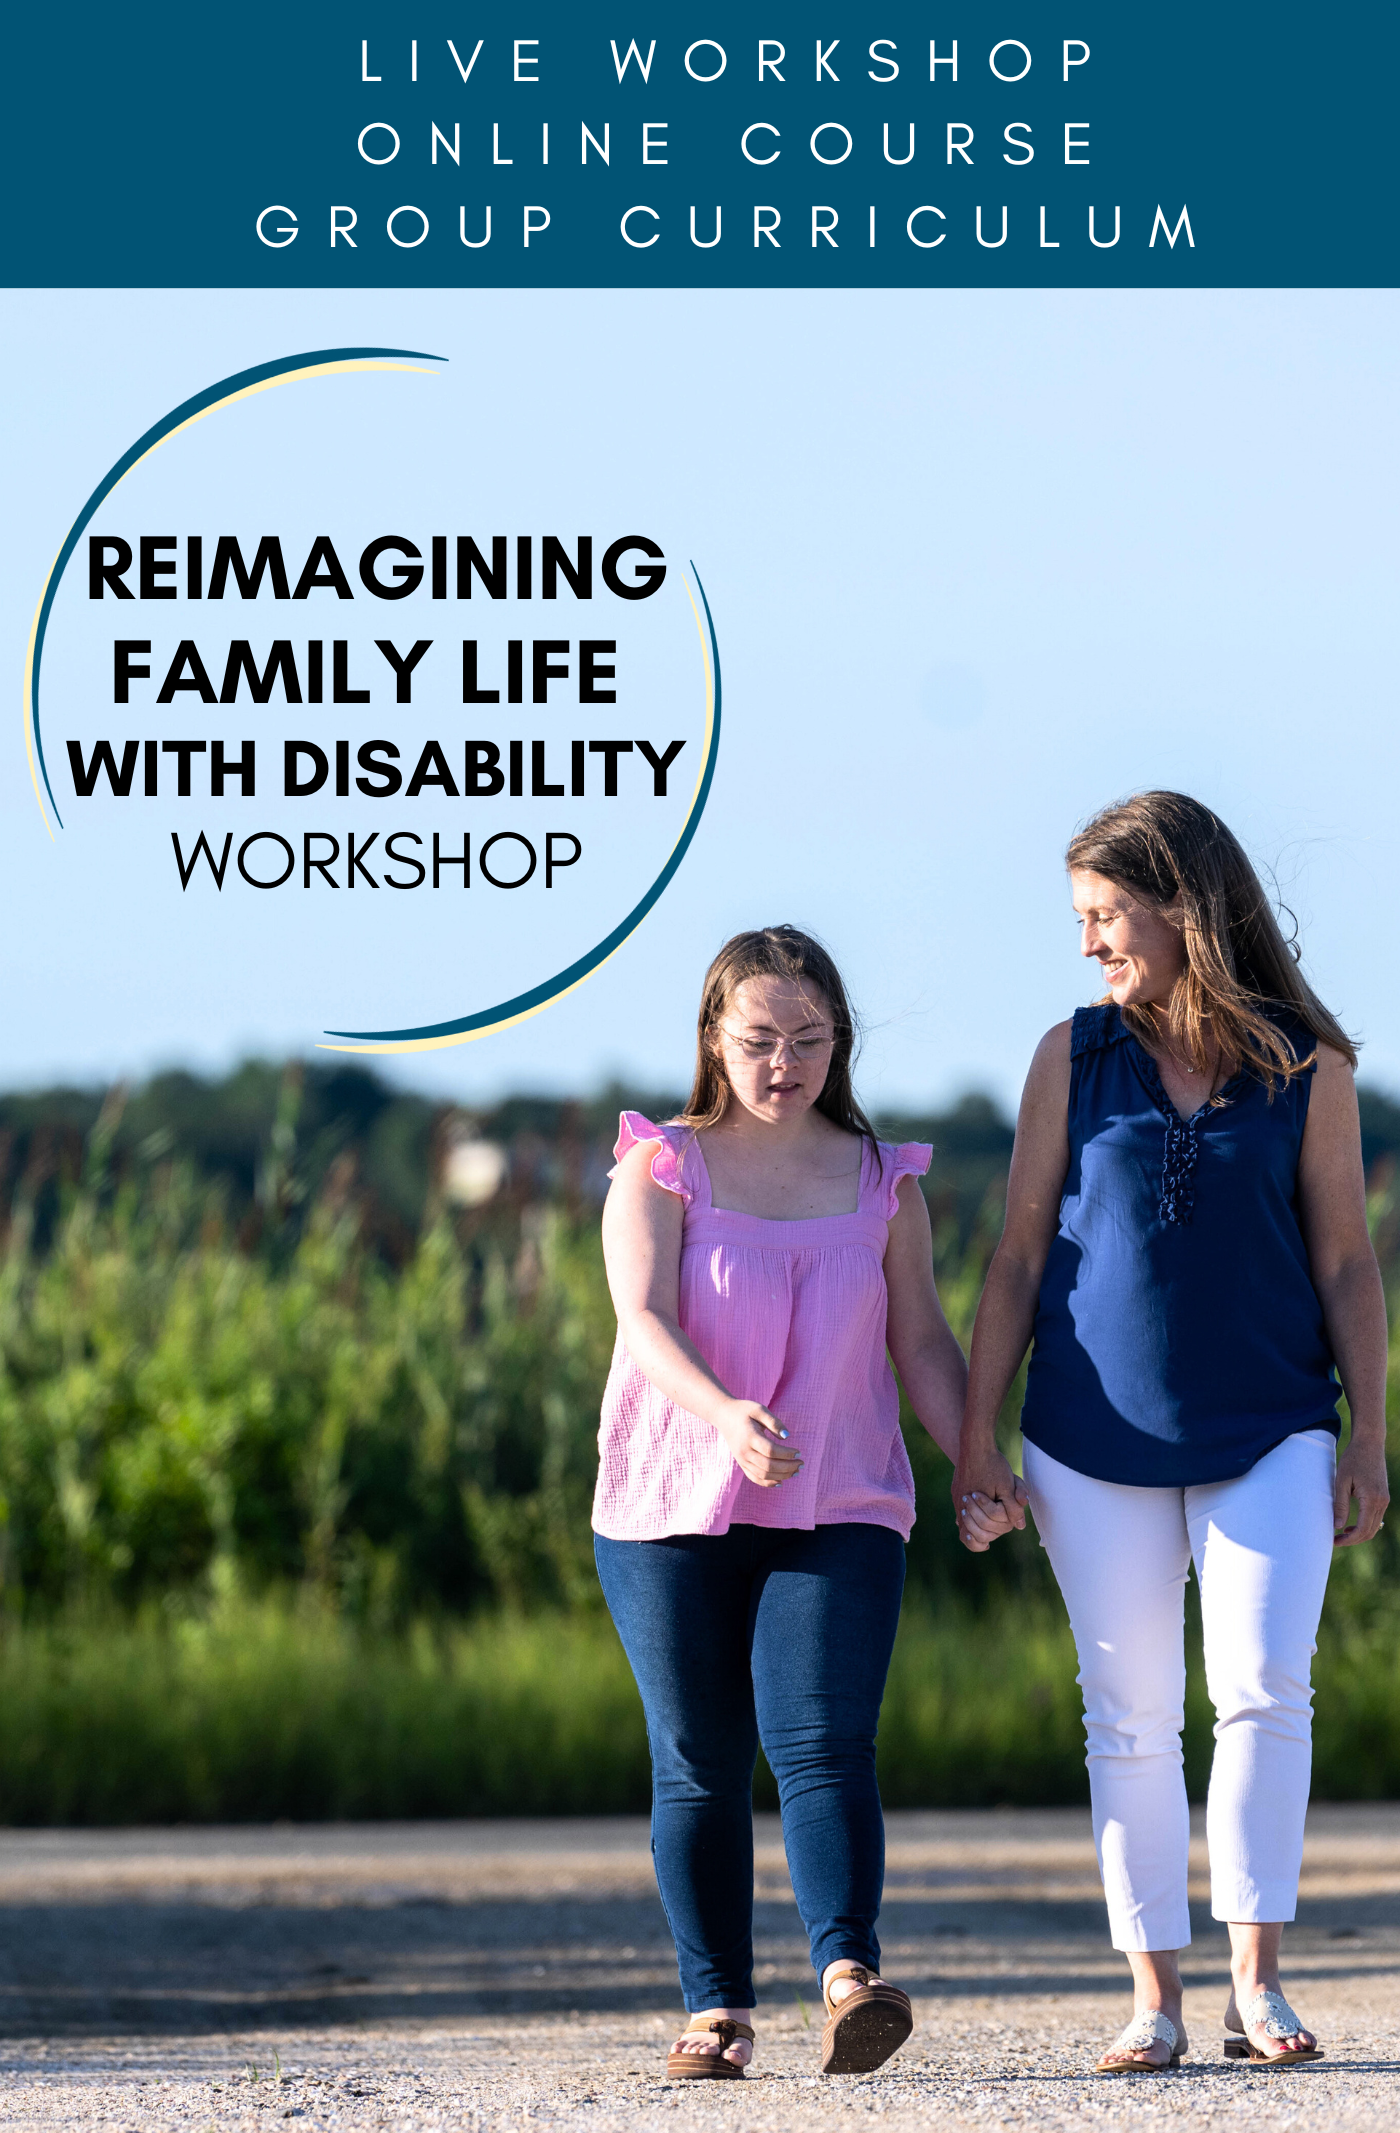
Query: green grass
(289, 1529)
(260, 1712)
(264, 1711)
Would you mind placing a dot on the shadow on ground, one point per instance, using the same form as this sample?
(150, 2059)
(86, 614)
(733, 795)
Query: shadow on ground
(139, 1966)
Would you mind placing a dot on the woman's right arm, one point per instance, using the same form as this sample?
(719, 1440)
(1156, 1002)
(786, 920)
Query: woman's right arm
(1006, 1313)
(642, 1225)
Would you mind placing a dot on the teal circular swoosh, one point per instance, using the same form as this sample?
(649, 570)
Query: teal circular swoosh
(260, 374)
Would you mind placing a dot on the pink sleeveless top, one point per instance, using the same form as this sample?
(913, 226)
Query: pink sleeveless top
(791, 1314)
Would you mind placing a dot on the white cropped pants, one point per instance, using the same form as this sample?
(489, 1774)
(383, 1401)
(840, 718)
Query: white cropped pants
(1262, 1545)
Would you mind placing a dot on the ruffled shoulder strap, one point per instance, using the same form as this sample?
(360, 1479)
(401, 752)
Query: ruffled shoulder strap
(668, 1165)
(909, 1160)
(1094, 1028)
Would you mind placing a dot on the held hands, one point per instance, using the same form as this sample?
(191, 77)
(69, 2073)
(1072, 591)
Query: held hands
(981, 1521)
(1361, 1475)
(759, 1443)
(989, 1499)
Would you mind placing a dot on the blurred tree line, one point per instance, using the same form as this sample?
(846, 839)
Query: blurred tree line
(270, 1141)
(298, 1330)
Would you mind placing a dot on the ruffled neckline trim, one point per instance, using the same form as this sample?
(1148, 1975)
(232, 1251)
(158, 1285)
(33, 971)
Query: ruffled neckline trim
(1177, 1200)
(679, 1166)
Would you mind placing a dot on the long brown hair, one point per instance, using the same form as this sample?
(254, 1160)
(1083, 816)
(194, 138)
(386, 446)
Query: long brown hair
(773, 952)
(1170, 851)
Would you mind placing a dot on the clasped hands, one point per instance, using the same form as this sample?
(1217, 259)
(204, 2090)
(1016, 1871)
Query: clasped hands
(989, 1499)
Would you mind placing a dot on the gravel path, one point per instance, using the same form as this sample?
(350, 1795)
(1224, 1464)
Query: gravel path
(518, 1975)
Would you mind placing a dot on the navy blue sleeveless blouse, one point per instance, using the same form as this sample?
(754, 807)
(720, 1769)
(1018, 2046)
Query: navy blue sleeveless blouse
(1178, 1335)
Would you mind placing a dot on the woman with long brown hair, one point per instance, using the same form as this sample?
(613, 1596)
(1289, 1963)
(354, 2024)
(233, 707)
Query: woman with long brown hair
(764, 1252)
(1186, 1248)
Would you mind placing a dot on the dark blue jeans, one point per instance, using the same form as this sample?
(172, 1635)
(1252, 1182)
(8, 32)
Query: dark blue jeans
(770, 1634)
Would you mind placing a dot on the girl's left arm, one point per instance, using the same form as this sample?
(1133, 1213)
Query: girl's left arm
(929, 1361)
(1332, 1203)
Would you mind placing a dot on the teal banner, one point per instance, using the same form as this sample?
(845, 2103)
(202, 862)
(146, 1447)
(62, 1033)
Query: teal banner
(1071, 144)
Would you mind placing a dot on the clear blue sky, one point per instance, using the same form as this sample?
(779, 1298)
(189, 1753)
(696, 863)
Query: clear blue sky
(978, 563)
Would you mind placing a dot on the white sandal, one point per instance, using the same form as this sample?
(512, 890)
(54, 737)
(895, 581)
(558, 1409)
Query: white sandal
(1270, 2012)
(1148, 2028)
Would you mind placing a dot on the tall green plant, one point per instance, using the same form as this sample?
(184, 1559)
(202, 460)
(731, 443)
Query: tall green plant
(193, 1406)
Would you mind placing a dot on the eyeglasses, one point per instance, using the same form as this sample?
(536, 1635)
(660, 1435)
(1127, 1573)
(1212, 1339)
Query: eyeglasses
(760, 1049)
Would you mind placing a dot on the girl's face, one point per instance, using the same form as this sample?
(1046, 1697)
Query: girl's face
(774, 1039)
(1140, 951)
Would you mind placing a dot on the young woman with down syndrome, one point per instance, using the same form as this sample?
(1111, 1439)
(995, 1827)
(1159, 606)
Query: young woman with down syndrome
(767, 1255)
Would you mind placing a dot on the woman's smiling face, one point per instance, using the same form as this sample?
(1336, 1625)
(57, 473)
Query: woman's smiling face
(1136, 945)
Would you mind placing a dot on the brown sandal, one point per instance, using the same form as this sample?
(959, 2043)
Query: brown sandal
(708, 2066)
(865, 2028)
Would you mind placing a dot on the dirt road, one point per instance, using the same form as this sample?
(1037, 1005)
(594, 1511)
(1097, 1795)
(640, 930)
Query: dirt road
(519, 1975)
